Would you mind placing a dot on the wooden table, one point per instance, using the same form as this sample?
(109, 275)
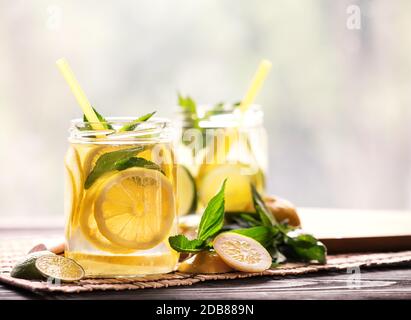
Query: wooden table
(384, 283)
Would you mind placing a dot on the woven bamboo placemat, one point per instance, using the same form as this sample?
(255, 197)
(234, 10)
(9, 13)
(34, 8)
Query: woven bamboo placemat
(13, 249)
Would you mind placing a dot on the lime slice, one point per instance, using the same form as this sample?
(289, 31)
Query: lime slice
(58, 267)
(237, 191)
(242, 253)
(26, 268)
(186, 191)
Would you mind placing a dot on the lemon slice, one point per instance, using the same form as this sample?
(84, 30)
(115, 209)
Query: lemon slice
(73, 166)
(135, 208)
(186, 192)
(91, 155)
(162, 155)
(237, 191)
(89, 225)
(70, 200)
(242, 253)
(58, 267)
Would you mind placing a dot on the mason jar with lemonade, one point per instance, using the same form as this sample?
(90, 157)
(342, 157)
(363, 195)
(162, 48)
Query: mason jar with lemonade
(218, 142)
(120, 192)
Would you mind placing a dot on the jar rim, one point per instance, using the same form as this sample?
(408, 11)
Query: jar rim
(155, 129)
(226, 117)
(121, 120)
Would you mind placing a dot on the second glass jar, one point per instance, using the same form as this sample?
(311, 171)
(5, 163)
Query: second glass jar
(224, 144)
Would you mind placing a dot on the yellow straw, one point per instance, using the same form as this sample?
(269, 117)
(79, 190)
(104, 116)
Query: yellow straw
(254, 88)
(256, 84)
(85, 105)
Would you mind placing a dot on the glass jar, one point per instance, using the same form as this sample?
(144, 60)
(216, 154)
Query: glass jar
(120, 198)
(225, 144)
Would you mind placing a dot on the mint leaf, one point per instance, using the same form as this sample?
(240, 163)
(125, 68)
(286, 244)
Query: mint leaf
(211, 222)
(216, 109)
(213, 217)
(266, 217)
(133, 124)
(262, 234)
(103, 121)
(190, 108)
(187, 104)
(136, 162)
(180, 243)
(303, 247)
(108, 162)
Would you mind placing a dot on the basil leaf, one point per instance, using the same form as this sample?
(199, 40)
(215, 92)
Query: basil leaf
(304, 247)
(181, 243)
(265, 214)
(262, 234)
(108, 161)
(213, 217)
(103, 121)
(136, 162)
(276, 255)
(133, 124)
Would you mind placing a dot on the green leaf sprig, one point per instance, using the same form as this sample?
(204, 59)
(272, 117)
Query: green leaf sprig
(281, 240)
(133, 124)
(211, 223)
(190, 110)
(103, 121)
(267, 219)
(127, 127)
(118, 160)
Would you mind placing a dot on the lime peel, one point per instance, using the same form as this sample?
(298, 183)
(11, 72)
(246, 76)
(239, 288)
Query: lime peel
(26, 269)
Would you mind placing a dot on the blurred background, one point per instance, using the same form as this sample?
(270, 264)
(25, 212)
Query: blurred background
(337, 102)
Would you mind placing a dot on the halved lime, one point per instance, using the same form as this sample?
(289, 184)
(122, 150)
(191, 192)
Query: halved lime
(58, 267)
(186, 191)
(242, 253)
(26, 268)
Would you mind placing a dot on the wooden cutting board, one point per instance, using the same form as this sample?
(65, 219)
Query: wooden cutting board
(344, 231)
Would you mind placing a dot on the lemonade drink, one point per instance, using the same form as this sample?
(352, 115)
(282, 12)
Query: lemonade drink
(120, 199)
(225, 144)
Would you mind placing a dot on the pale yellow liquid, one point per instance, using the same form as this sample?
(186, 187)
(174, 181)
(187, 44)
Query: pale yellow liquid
(98, 255)
(230, 156)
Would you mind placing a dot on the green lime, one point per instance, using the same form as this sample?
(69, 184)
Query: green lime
(26, 268)
(60, 268)
(186, 191)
